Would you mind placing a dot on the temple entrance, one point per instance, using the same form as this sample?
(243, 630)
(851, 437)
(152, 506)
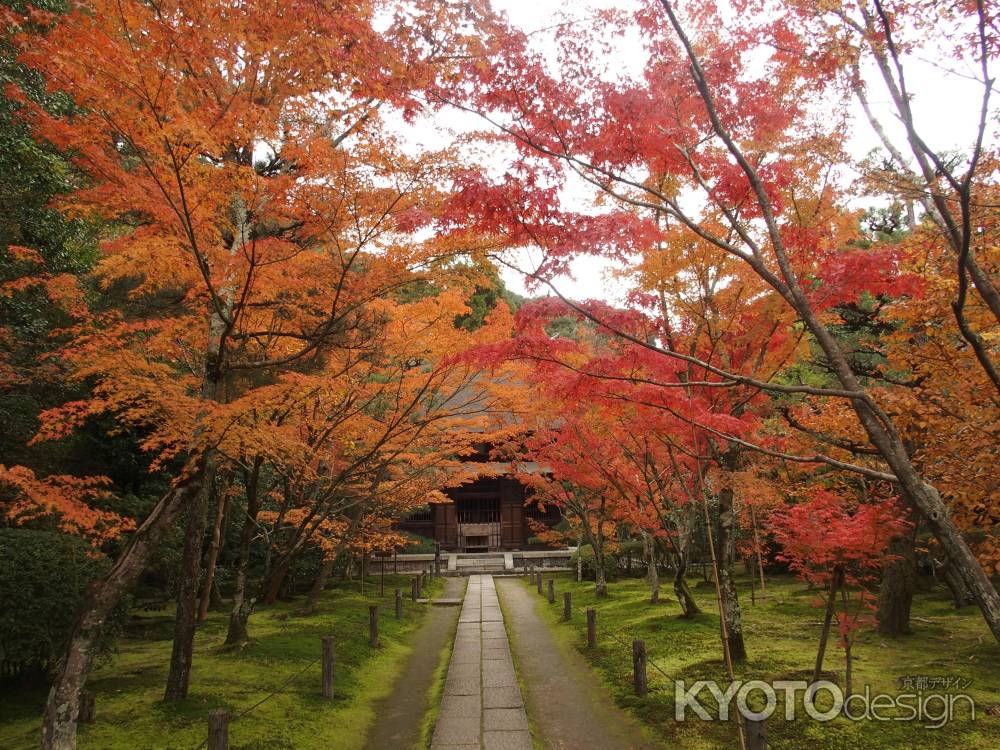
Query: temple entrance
(485, 515)
(478, 522)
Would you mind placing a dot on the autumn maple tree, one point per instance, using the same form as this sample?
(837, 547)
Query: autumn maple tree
(838, 548)
(261, 206)
(760, 154)
(248, 272)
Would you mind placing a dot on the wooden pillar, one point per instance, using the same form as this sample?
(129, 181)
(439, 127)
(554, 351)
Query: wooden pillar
(218, 729)
(552, 591)
(538, 582)
(373, 625)
(567, 606)
(756, 734)
(327, 666)
(591, 628)
(639, 666)
(413, 589)
(399, 604)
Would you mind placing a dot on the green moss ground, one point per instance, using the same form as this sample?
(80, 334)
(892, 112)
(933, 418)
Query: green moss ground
(281, 656)
(781, 636)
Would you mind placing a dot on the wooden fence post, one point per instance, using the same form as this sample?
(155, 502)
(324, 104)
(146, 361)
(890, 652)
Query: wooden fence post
(373, 625)
(639, 666)
(218, 729)
(538, 582)
(591, 628)
(552, 591)
(756, 734)
(413, 589)
(327, 666)
(399, 604)
(87, 710)
(567, 606)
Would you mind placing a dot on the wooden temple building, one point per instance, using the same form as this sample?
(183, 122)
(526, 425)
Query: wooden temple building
(490, 514)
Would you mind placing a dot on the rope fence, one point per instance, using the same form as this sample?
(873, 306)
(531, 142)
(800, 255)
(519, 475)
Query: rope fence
(220, 719)
(641, 659)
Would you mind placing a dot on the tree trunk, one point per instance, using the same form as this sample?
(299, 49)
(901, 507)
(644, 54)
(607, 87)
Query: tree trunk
(652, 575)
(689, 607)
(185, 617)
(63, 705)
(835, 583)
(600, 577)
(271, 586)
(208, 587)
(212, 389)
(895, 595)
(242, 604)
(960, 595)
(848, 669)
(727, 586)
(318, 586)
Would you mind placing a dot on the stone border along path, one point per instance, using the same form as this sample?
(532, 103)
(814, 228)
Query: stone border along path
(481, 708)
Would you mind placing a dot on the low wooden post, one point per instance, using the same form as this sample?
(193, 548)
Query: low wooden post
(399, 604)
(552, 591)
(591, 628)
(420, 583)
(567, 606)
(88, 710)
(373, 625)
(756, 734)
(218, 729)
(413, 589)
(327, 666)
(639, 666)
(538, 582)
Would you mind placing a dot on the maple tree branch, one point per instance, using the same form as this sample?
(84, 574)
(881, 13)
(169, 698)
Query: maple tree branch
(836, 442)
(735, 378)
(816, 458)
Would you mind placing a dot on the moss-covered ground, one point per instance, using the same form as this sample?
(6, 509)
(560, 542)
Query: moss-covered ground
(280, 664)
(781, 635)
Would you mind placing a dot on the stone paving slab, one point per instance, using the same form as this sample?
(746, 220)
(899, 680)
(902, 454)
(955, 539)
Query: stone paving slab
(502, 697)
(507, 740)
(505, 719)
(482, 706)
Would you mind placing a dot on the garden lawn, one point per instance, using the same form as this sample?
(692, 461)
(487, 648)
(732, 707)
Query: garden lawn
(781, 635)
(282, 658)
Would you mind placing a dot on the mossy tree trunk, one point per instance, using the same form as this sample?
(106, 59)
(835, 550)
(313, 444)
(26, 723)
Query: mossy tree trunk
(895, 595)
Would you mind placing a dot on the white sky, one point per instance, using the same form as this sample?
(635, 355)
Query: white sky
(946, 108)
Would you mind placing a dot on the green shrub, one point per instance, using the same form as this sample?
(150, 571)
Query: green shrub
(585, 552)
(43, 576)
(418, 545)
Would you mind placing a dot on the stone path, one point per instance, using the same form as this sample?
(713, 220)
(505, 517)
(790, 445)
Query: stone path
(481, 708)
(400, 716)
(570, 708)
